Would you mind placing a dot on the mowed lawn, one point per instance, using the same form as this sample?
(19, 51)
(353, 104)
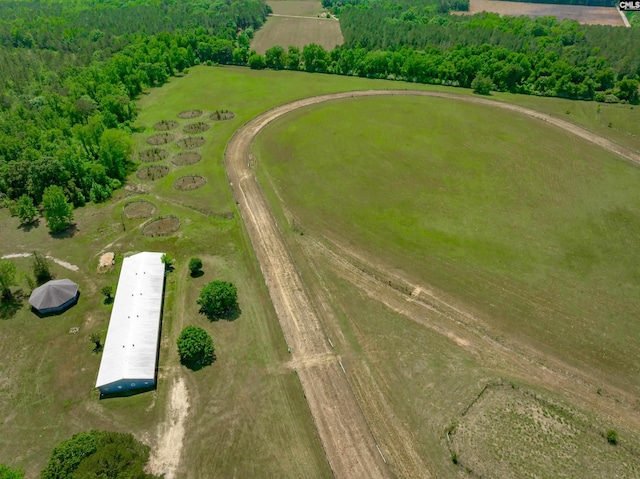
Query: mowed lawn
(536, 231)
(297, 32)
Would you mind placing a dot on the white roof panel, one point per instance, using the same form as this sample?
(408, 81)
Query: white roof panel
(131, 346)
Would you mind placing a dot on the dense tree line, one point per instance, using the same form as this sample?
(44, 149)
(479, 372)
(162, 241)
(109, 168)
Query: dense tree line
(66, 99)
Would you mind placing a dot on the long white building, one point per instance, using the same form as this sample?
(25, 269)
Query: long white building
(131, 347)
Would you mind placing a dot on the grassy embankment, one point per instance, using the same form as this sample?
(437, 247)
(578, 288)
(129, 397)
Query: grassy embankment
(248, 400)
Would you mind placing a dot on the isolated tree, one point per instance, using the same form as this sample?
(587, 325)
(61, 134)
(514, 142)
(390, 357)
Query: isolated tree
(218, 299)
(107, 291)
(482, 84)
(612, 437)
(57, 210)
(195, 266)
(195, 347)
(167, 260)
(7, 277)
(41, 269)
(25, 210)
(97, 342)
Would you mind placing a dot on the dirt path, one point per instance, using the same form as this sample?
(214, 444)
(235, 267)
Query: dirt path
(64, 264)
(348, 442)
(165, 457)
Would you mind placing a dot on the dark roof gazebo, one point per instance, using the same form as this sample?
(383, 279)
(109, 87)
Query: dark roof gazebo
(54, 296)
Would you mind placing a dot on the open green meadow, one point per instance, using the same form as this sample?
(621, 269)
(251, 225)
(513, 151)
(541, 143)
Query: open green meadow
(532, 229)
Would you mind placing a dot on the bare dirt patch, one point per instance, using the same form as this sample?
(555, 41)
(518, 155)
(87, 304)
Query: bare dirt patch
(153, 154)
(199, 127)
(188, 143)
(139, 209)
(161, 226)
(186, 158)
(189, 114)
(160, 139)
(222, 115)
(153, 172)
(165, 458)
(581, 14)
(189, 182)
(166, 125)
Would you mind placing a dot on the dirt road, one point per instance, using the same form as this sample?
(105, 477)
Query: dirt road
(348, 442)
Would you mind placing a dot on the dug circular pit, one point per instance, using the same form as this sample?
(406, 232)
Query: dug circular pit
(162, 226)
(222, 115)
(139, 209)
(188, 143)
(166, 125)
(189, 182)
(153, 154)
(186, 158)
(198, 127)
(189, 114)
(160, 139)
(153, 172)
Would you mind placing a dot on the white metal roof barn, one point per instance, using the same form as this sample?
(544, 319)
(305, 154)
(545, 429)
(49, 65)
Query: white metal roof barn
(131, 347)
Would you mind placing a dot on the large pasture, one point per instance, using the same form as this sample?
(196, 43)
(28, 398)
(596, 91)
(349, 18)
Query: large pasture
(247, 415)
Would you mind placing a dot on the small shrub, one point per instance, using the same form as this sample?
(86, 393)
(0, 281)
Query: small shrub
(454, 457)
(612, 437)
(195, 266)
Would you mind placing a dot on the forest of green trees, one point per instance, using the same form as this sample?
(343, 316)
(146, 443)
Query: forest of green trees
(70, 71)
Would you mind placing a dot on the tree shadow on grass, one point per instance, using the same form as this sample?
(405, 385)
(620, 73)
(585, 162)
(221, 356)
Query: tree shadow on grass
(231, 314)
(11, 305)
(198, 365)
(197, 274)
(26, 227)
(70, 232)
(108, 300)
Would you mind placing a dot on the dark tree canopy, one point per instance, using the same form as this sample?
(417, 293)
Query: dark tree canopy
(195, 347)
(218, 300)
(195, 266)
(98, 454)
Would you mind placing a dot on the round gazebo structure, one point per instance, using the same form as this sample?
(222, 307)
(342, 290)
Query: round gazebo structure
(54, 296)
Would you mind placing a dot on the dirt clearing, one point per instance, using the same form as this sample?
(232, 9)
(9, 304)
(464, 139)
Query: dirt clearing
(298, 32)
(165, 458)
(300, 8)
(585, 15)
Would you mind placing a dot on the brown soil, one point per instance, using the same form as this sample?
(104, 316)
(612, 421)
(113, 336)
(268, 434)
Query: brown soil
(199, 127)
(189, 182)
(222, 115)
(186, 158)
(160, 139)
(166, 125)
(139, 209)
(153, 172)
(189, 114)
(153, 154)
(342, 427)
(188, 143)
(162, 226)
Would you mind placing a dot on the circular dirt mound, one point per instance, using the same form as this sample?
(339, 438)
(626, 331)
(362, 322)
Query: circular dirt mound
(199, 127)
(189, 143)
(222, 115)
(165, 125)
(160, 139)
(189, 182)
(186, 158)
(153, 154)
(139, 209)
(153, 172)
(189, 114)
(162, 226)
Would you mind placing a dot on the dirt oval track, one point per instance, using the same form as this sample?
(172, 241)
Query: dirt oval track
(348, 442)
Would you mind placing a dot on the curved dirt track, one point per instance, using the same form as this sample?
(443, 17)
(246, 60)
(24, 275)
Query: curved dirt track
(348, 442)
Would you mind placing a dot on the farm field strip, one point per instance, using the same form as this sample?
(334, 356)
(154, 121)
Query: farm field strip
(291, 30)
(299, 321)
(579, 13)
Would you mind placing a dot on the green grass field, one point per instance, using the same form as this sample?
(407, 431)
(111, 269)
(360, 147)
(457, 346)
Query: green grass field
(247, 416)
(521, 222)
